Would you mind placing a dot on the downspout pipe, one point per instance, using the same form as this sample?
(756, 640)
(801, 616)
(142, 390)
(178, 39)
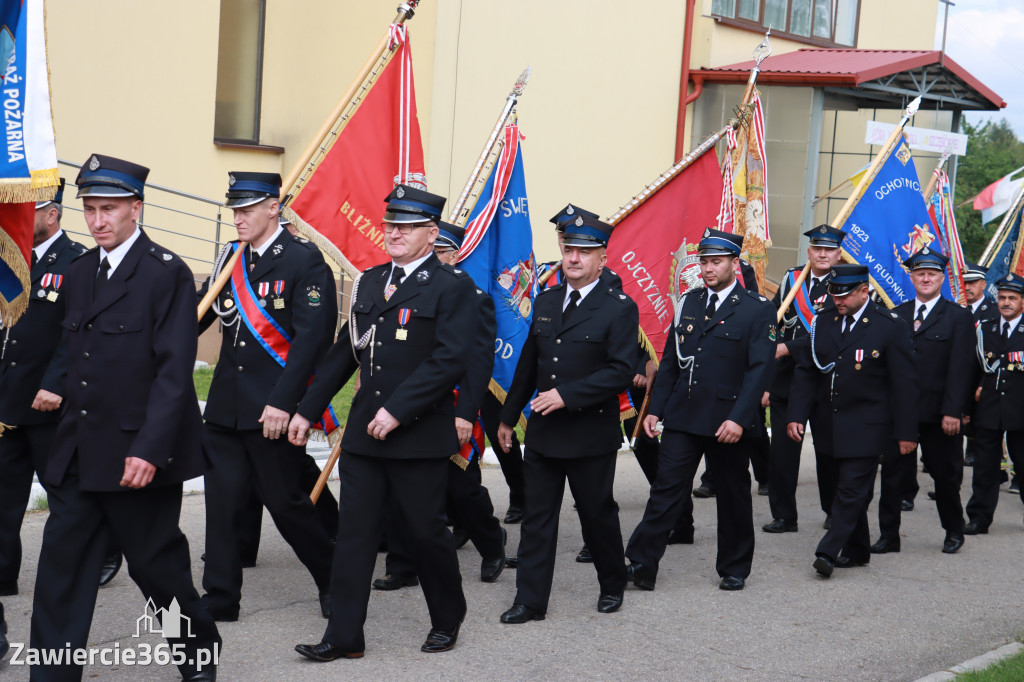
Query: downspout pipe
(684, 82)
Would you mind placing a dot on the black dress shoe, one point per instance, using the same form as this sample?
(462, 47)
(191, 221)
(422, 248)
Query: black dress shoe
(4, 644)
(680, 537)
(847, 562)
(8, 588)
(641, 576)
(439, 640)
(827, 524)
(952, 543)
(779, 526)
(325, 605)
(824, 566)
(460, 536)
(223, 614)
(585, 557)
(395, 582)
(209, 674)
(731, 583)
(514, 514)
(703, 491)
(609, 603)
(512, 562)
(969, 460)
(326, 652)
(975, 528)
(885, 546)
(111, 565)
(490, 570)
(521, 613)
(906, 505)
(762, 489)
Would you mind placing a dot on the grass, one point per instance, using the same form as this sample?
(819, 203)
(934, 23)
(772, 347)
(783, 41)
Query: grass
(40, 503)
(1007, 670)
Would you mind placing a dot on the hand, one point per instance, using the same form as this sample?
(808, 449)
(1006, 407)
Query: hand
(795, 430)
(137, 473)
(547, 402)
(652, 371)
(950, 425)
(907, 446)
(505, 437)
(640, 381)
(297, 430)
(977, 394)
(382, 424)
(359, 382)
(781, 351)
(765, 399)
(275, 422)
(46, 401)
(651, 426)
(464, 429)
(729, 432)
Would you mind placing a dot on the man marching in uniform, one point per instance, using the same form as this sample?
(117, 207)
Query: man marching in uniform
(859, 362)
(943, 334)
(578, 357)
(130, 432)
(823, 252)
(716, 367)
(984, 309)
(407, 334)
(1000, 398)
(32, 373)
(278, 315)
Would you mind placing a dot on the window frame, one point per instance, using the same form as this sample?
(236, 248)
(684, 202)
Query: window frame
(230, 142)
(759, 26)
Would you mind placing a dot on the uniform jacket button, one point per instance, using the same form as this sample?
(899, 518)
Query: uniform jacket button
(242, 344)
(88, 327)
(376, 393)
(380, 319)
(170, 460)
(554, 359)
(379, 344)
(557, 341)
(120, 327)
(376, 368)
(14, 342)
(552, 376)
(83, 413)
(240, 368)
(85, 355)
(84, 384)
(14, 363)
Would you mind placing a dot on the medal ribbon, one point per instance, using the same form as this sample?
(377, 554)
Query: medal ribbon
(279, 287)
(268, 332)
(403, 316)
(859, 355)
(802, 303)
(57, 281)
(1016, 356)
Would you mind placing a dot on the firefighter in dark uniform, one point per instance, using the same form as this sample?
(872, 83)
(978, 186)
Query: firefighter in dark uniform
(278, 315)
(859, 361)
(716, 366)
(823, 252)
(407, 336)
(578, 357)
(984, 309)
(1000, 398)
(943, 335)
(32, 374)
(130, 431)
(469, 504)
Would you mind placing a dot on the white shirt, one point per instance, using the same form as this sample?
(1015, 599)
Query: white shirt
(856, 317)
(117, 255)
(266, 245)
(1013, 325)
(977, 304)
(408, 268)
(723, 294)
(42, 248)
(583, 293)
(927, 306)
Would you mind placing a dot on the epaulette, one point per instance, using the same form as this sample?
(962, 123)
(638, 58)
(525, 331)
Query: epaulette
(305, 242)
(79, 249)
(87, 251)
(161, 255)
(453, 271)
(550, 290)
(618, 295)
(373, 268)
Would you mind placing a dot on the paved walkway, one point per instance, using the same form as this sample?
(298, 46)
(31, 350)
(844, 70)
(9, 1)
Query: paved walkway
(903, 617)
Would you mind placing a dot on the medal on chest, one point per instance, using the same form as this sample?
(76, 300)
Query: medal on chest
(278, 291)
(402, 334)
(859, 357)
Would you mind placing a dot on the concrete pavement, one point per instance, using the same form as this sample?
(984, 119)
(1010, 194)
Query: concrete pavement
(902, 617)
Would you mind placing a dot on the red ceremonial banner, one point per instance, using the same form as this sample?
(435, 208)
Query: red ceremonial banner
(379, 146)
(654, 248)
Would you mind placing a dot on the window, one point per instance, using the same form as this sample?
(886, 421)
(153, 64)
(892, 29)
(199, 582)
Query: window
(820, 22)
(239, 71)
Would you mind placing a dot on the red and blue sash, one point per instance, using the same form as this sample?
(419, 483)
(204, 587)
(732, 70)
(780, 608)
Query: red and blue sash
(627, 409)
(267, 331)
(475, 446)
(802, 303)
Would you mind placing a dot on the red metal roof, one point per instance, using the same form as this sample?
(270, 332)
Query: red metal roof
(842, 68)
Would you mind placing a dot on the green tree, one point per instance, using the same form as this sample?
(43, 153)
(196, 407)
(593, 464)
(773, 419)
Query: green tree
(993, 151)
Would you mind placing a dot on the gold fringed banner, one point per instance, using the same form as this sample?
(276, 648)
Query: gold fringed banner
(646, 344)
(12, 257)
(41, 186)
(325, 245)
(628, 414)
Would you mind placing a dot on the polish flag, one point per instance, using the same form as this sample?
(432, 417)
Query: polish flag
(996, 199)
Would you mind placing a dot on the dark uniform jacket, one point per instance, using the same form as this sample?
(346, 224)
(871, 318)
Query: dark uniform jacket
(131, 353)
(33, 357)
(987, 311)
(1001, 405)
(590, 359)
(792, 332)
(873, 397)
(943, 358)
(247, 377)
(733, 357)
(476, 381)
(412, 377)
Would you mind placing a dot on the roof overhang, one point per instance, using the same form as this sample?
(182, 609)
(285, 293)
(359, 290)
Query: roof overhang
(874, 78)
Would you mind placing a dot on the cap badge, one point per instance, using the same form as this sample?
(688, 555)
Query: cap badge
(231, 180)
(1009, 277)
(925, 251)
(569, 210)
(94, 163)
(399, 192)
(579, 221)
(822, 229)
(707, 232)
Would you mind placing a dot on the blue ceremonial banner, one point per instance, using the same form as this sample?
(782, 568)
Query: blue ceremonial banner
(1001, 262)
(888, 224)
(498, 254)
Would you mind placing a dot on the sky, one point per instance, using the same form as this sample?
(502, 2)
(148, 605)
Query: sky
(984, 37)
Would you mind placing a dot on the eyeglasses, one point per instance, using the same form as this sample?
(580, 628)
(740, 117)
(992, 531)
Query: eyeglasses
(402, 228)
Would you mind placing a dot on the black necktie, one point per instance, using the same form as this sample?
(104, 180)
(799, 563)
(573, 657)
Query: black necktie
(574, 299)
(1006, 332)
(848, 325)
(712, 306)
(101, 277)
(811, 283)
(35, 258)
(919, 320)
(254, 258)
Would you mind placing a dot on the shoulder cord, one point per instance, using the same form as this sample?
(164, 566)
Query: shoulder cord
(685, 363)
(788, 321)
(814, 353)
(359, 342)
(990, 368)
(229, 317)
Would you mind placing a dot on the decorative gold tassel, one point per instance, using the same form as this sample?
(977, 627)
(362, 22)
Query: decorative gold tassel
(459, 461)
(322, 242)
